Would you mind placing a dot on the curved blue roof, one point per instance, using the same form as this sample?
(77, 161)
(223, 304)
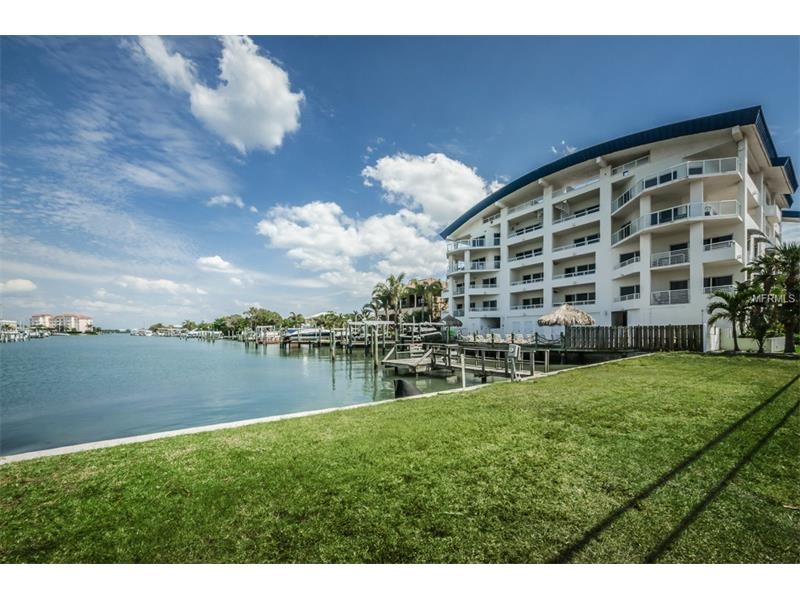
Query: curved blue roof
(744, 116)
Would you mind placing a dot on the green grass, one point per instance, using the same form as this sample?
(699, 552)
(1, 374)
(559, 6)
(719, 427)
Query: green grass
(509, 473)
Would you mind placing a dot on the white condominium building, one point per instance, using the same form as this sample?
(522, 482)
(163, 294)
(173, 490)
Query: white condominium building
(636, 231)
(72, 322)
(43, 320)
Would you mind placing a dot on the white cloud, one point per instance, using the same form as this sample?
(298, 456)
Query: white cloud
(564, 150)
(253, 209)
(141, 284)
(791, 232)
(217, 264)
(253, 107)
(17, 286)
(178, 72)
(235, 281)
(319, 237)
(439, 186)
(225, 200)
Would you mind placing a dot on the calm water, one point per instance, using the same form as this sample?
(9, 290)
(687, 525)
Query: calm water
(69, 390)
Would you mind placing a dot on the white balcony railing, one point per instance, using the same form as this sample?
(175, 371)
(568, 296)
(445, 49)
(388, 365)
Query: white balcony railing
(525, 255)
(719, 288)
(526, 205)
(491, 218)
(577, 214)
(574, 303)
(483, 286)
(692, 168)
(670, 297)
(484, 309)
(524, 306)
(577, 244)
(771, 211)
(455, 268)
(575, 274)
(520, 232)
(459, 312)
(694, 210)
(627, 297)
(624, 169)
(482, 265)
(533, 279)
(625, 263)
(575, 186)
(475, 243)
(458, 290)
(667, 259)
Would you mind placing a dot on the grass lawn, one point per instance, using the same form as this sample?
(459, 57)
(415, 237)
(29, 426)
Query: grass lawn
(669, 458)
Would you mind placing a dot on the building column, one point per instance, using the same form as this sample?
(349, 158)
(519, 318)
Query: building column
(504, 275)
(645, 250)
(696, 296)
(547, 245)
(604, 258)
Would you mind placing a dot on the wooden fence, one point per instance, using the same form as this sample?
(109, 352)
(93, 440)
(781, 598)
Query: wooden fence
(645, 338)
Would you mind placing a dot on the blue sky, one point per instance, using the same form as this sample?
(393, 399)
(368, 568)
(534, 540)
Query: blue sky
(138, 187)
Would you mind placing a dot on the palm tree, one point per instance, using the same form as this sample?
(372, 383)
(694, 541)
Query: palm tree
(788, 259)
(732, 307)
(381, 298)
(397, 290)
(428, 290)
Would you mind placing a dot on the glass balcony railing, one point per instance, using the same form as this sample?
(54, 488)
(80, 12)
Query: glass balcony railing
(533, 279)
(526, 205)
(677, 213)
(577, 244)
(578, 213)
(670, 297)
(629, 261)
(574, 274)
(525, 255)
(467, 244)
(524, 306)
(692, 168)
(667, 259)
(520, 232)
(627, 297)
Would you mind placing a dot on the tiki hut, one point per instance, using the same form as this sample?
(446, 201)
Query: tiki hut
(566, 314)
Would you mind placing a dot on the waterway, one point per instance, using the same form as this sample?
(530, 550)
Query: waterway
(61, 391)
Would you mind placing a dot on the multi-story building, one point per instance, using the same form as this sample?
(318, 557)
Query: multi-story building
(73, 322)
(636, 231)
(43, 320)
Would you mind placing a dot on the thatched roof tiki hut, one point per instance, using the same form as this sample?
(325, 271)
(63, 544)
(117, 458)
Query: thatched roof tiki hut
(566, 314)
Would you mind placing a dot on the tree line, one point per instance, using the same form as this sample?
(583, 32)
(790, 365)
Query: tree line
(386, 301)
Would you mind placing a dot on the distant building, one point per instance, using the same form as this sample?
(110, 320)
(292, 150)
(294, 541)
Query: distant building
(73, 322)
(43, 320)
(7, 325)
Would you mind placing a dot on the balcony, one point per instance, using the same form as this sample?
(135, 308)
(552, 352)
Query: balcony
(456, 268)
(488, 288)
(458, 290)
(467, 244)
(525, 256)
(521, 235)
(631, 261)
(577, 214)
(627, 297)
(527, 306)
(526, 206)
(459, 312)
(484, 309)
(576, 245)
(664, 297)
(574, 303)
(669, 259)
(574, 274)
(695, 210)
(491, 218)
(719, 288)
(686, 170)
(483, 265)
(629, 166)
(772, 212)
(573, 187)
(728, 251)
(536, 277)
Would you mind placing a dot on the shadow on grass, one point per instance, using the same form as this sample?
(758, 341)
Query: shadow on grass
(591, 534)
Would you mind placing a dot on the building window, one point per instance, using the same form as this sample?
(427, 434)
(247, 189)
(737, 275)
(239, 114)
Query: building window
(718, 239)
(627, 290)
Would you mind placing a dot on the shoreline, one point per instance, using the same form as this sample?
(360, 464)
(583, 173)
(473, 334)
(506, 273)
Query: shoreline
(147, 437)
